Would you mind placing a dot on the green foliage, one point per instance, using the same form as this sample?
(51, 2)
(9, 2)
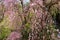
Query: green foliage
(54, 10)
(30, 15)
(19, 7)
(26, 31)
(27, 25)
(4, 32)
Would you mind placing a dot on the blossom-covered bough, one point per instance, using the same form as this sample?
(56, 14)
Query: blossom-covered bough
(41, 22)
(32, 22)
(12, 20)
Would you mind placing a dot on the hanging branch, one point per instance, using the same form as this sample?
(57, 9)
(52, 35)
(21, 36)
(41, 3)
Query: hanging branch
(51, 3)
(21, 3)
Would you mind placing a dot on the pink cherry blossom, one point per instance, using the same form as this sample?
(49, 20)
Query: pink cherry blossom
(14, 36)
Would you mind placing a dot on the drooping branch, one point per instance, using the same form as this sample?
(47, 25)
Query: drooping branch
(21, 3)
(51, 3)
